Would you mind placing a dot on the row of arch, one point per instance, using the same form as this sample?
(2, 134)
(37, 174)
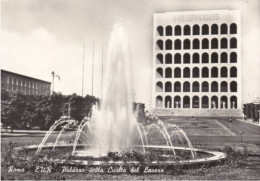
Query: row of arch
(196, 72)
(186, 87)
(196, 44)
(214, 102)
(196, 58)
(197, 30)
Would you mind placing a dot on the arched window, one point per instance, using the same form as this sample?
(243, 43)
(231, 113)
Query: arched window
(223, 72)
(214, 43)
(168, 87)
(186, 72)
(224, 57)
(214, 86)
(195, 102)
(186, 86)
(177, 30)
(214, 102)
(214, 57)
(177, 58)
(168, 30)
(205, 58)
(195, 87)
(233, 28)
(159, 44)
(233, 72)
(186, 58)
(186, 102)
(233, 102)
(168, 102)
(205, 43)
(186, 44)
(233, 57)
(205, 102)
(224, 102)
(168, 44)
(196, 44)
(159, 58)
(159, 87)
(177, 72)
(223, 87)
(168, 72)
(214, 29)
(224, 43)
(168, 58)
(233, 43)
(159, 102)
(196, 30)
(177, 87)
(224, 29)
(159, 31)
(177, 102)
(159, 73)
(196, 58)
(205, 72)
(186, 30)
(214, 72)
(205, 86)
(177, 44)
(205, 30)
(233, 86)
(195, 72)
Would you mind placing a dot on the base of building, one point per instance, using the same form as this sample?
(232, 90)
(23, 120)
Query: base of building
(225, 113)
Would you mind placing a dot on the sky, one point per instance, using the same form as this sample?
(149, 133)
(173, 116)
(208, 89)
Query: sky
(41, 36)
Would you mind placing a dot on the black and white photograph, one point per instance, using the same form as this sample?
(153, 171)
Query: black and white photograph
(130, 89)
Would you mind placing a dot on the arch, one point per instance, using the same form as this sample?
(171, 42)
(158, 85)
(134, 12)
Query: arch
(205, 72)
(177, 44)
(205, 43)
(159, 45)
(168, 58)
(168, 44)
(205, 86)
(168, 102)
(168, 72)
(195, 58)
(233, 57)
(186, 86)
(168, 30)
(223, 86)
(186, 72)
(233, 43)
(224, 102)
(196, 30)
(233, 72)
(233, 86)
(177, 102)
(214, 29)
(177, 58)
(214, 43)
(177, 72)
(195, 72)
(177, 87)
(205, 58)
(177, 30)
(214, 86)
(195, 102)
(159, 72)
(223, 57)
(233, 28)
(233, 102)
(205, 29)
(186, 30)
(159, 102)
(214, 57)
(159, 58)
(224, 28)
(168, 87)
(205, 102)
(223, 72)
(186, 58)
(214, 102)
(214, 72)
(159, 31)
(195, 87)
(186, 102)
(186, 44)
(196, 44)
(159, 87)
(224, 43)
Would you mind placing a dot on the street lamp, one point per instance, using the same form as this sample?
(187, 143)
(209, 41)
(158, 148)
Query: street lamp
(53, 76)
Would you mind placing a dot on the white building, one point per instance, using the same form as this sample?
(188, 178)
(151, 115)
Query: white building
(197, 63)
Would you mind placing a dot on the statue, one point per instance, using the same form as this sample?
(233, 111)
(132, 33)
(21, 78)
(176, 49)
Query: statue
(214, 104)
(233, 104)
(177, 103)
(224, 104)
(168, 104)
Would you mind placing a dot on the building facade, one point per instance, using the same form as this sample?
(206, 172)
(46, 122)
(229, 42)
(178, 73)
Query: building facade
(197, 60)
(17, 83)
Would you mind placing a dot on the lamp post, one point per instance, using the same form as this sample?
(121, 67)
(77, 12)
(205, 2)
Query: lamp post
(241, 132)
(53, 76)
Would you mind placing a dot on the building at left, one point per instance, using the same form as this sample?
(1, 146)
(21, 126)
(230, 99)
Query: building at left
(17, 83)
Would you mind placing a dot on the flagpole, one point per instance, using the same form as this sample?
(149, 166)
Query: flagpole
(93, 66)
(83, 69)
(102, 75)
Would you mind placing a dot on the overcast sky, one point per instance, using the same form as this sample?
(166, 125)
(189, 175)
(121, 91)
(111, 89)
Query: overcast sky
(41, 36)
